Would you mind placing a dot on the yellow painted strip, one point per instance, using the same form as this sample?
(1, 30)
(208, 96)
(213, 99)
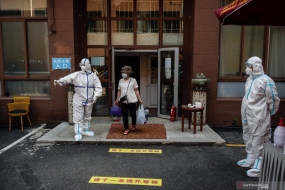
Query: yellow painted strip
(126, 181)
(238, 145)
(138, 151)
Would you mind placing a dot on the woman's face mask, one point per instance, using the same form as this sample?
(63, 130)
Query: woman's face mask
(124, 75)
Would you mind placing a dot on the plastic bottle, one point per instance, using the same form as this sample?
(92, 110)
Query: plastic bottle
(146, 112)
(279, 134)
(7, 93)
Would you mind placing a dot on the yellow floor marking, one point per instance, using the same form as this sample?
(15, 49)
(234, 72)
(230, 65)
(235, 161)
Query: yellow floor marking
(138, 151)
(238, 145)
(126, 181)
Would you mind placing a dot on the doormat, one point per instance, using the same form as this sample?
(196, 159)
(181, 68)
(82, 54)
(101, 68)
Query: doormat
(146, 131)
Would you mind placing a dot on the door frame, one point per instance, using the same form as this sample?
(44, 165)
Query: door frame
(175, 85)
(113, 90)
(149, 84)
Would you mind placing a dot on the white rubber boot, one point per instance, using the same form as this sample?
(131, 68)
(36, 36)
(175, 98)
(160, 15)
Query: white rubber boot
(85, 129)
(77, 130)
(248, 162)
(255, 171)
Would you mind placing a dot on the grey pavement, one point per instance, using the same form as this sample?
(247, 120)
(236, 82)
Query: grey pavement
(64, 133)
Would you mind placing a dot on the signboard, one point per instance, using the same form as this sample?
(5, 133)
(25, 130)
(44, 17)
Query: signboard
(61, 63)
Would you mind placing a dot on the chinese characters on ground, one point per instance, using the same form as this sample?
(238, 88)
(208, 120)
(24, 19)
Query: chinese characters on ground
(126, 181)
(146, 151)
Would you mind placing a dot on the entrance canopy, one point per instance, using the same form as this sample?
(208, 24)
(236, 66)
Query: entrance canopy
(253, 12)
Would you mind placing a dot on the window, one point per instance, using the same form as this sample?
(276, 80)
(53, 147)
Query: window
(172, 22)
(122, 24)
(23, 8)
(25, 54)
(238, 43)
(15, 51)
(276, 60)
(97, 22)
(98, 61)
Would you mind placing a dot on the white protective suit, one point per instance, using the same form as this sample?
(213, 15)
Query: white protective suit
(87, 87)
(259, 103)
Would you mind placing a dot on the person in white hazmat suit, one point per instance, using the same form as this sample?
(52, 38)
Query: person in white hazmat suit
(88, 88)
(259, 103)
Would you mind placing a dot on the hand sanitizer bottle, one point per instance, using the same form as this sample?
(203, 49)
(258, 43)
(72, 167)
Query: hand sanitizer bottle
(279, 134)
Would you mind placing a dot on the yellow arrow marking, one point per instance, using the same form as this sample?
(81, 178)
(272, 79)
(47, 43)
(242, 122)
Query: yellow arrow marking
(126, 181)
(138, 151)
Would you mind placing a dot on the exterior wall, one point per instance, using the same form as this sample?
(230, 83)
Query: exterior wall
(202, 56)
(206, 59)
(206, 51)
(61, 44)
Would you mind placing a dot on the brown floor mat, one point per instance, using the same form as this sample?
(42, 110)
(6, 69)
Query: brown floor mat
(146, 131)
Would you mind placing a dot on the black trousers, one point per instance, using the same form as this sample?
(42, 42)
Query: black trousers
(132, 107)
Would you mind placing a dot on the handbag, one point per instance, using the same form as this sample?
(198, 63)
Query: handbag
(141, 115)
(124, 98)
(115, 111)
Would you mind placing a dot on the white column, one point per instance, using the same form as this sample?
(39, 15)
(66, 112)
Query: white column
(200, 95)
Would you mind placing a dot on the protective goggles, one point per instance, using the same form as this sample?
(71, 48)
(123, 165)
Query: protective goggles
(82, 63)
(248, 64)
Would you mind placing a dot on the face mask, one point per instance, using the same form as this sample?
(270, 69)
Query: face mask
(248, 71)
(124, 75)
(83, 68)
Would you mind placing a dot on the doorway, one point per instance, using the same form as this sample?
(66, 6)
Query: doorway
(133, 61)
(161, 91)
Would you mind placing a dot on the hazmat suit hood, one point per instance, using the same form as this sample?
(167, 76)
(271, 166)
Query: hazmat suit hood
(256, 64)
(85, 65)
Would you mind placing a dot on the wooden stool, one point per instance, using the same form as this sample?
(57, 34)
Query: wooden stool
(185, 108)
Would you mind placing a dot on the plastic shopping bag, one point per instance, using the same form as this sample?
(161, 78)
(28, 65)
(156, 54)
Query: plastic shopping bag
(140, 115)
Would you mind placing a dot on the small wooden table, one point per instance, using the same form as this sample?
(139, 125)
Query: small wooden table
(185, 108)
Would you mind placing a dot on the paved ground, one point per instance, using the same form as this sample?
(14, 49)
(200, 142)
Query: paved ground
(64, 165)
(233, 135)
(70, 166)
(100, 126)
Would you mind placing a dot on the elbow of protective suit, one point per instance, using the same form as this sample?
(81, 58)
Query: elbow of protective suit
(273, 108)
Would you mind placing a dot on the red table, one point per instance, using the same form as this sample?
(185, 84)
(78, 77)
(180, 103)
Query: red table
(185, 108)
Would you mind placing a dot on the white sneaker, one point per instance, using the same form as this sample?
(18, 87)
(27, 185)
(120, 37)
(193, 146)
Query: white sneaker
(78, 137)
(87, 133)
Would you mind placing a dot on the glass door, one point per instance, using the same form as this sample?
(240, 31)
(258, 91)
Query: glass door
(168, 60)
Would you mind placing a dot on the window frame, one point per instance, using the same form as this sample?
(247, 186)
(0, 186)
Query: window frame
(3, 77)
(264, 58)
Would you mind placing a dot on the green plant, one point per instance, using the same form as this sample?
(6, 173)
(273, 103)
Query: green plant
(235, 122)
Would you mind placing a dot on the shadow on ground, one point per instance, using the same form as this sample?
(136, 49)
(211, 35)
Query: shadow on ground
(233, 135)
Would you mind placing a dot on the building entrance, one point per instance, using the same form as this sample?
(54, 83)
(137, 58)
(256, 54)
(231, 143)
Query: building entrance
(156, 73)
(120, 61)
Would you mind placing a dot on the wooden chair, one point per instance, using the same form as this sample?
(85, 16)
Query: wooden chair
(18, 99)
(19, 108)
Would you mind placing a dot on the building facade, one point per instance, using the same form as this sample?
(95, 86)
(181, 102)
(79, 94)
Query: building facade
(167, 42)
